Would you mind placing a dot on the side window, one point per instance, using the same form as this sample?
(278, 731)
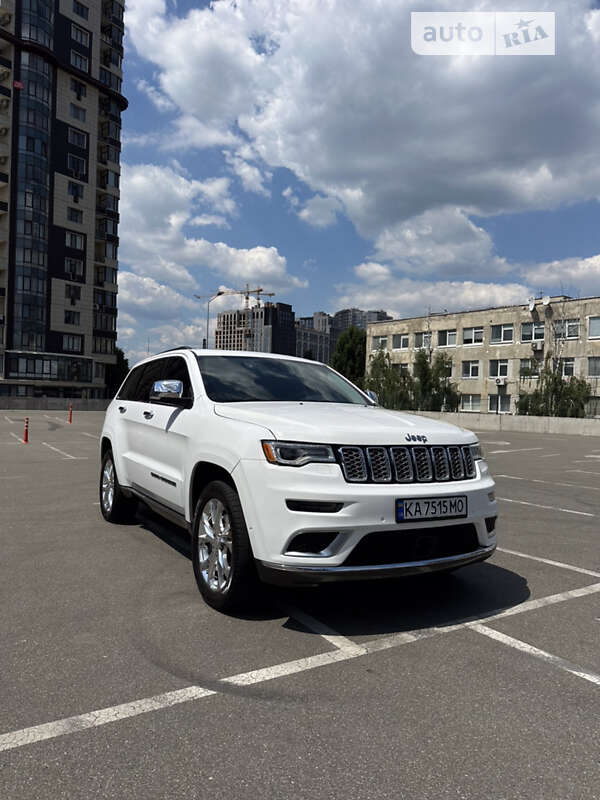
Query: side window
(176, 370)
(153, 371)
(127, 391)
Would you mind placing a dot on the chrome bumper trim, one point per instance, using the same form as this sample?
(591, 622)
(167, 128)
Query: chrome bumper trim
(290, 573)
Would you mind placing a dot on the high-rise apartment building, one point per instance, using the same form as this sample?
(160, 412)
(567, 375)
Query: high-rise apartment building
(265, 329)
(60, 131)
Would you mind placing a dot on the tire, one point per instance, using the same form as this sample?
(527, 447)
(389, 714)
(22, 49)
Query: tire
(221, 553)
(114, 505)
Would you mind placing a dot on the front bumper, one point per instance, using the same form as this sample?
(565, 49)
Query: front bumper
(363, 509)
(290, 575)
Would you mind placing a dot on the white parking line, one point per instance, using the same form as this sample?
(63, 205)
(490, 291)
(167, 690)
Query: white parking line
(94, 719)
(18, 438)
(91, 435)
(556, 661)
(550, 455)
(489, 441)
(8, 419)
(65, 455)
(549, 483)
(549, 561)
(324, 631)
(517, 450)
(548, 508)
(585, 471)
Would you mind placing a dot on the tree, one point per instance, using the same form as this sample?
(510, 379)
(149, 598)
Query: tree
(116, 373)
(554, 396)
(393, 388)
(433, 389)
(349, 355)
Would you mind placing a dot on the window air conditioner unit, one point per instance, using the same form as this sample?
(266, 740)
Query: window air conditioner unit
(500, 381)
(4, 102)
(5, 18)
(537, 346)
(3, 159)
(4, 74)
(3, 131)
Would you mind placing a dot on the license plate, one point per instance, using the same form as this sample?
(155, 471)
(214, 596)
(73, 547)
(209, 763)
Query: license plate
(431, 508)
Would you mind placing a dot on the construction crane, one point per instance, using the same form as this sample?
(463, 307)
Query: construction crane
(222, 292)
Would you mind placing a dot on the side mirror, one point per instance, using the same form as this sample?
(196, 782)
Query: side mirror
(167, 391)
(372, 396)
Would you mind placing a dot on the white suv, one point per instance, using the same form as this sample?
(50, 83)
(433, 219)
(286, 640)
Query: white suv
(281, 468)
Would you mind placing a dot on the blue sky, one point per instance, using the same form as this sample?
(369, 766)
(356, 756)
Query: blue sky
(302, 146)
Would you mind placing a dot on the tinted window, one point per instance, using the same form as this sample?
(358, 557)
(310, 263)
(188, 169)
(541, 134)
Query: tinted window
(153, 371)
(176, 370)
(127, 391)
(232, 379)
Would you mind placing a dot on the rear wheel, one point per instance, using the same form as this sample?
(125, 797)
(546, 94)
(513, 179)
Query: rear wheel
(221, 552)
(114, 505)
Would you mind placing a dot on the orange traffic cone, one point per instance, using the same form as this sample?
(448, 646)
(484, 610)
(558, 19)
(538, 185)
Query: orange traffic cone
(26, 431)
(70, 420)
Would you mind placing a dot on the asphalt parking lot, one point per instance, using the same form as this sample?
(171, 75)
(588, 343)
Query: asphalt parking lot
(118, 681)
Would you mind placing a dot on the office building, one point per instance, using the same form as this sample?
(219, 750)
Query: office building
(497, 353)
(267, 329)
(60, 131)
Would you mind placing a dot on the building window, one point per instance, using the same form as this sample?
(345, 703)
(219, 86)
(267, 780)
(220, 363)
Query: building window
(379, 342)
(532, 331)
(502, 334)
(77, 112)
(72, 343)
(470, 369)
(566, 329)
(103, 345)
(99, 370)
(423, 339)
(529, 368)
(400, 341)
(78, 138)
(73, 292)
(594, 329)
(74, 240)
(470, 402)
(594, 367)
(78, 166)
(499, 368)
(447, 338)
(504, 403)
(403, 369)
(79, 88)
(472, 335)
(111, 251)
(74, 266)
(79, 61)
(567, 367)
(75, 190)
(80, 9)
(80, 35)
(72, 317)
(75, 215)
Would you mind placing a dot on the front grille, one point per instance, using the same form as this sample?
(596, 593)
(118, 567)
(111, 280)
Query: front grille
(400, 547)
(412, 464)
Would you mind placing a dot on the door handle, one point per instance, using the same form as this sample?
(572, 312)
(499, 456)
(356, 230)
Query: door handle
(148, 414)
(122, 409)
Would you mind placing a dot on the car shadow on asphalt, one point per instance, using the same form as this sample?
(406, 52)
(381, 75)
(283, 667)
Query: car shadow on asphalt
(371, 608)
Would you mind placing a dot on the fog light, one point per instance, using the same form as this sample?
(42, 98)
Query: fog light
(311, 542)
(491, 496)
(490, 524)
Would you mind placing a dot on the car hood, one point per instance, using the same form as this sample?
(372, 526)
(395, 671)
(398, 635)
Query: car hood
(343, 423)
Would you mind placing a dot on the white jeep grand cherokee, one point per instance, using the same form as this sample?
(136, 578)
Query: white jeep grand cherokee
(281, 468)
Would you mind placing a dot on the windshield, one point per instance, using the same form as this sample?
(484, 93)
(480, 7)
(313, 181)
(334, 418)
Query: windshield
(235, 379)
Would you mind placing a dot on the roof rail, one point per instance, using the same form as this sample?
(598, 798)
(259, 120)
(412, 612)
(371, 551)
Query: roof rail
(181, 347)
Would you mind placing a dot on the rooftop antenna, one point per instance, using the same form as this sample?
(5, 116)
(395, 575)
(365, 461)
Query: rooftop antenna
(531, 302)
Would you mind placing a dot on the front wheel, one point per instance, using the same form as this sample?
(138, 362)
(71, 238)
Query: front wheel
(115, 507)
(221, 552)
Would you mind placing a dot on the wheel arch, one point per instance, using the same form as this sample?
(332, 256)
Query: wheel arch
(105, 445)
(203, 473)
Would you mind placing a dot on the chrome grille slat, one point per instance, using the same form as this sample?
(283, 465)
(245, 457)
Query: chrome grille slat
(423, 468)
(379, 464)
(440, 463)
(353, 464)
(406, 464)
(456, 462)
(469, 461)
(402, 464)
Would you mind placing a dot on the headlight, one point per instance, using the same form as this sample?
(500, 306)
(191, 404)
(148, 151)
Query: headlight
(295, 454)
(477, 452)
